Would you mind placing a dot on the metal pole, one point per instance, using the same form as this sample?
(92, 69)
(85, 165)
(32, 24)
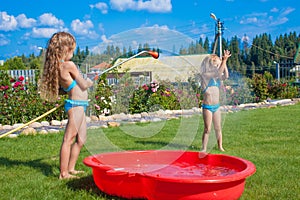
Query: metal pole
(219, 24)
(277, 71)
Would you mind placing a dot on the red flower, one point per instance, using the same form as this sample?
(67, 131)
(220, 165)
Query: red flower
(12, 80)
(21, 78)
(17, 84)
(145, 87)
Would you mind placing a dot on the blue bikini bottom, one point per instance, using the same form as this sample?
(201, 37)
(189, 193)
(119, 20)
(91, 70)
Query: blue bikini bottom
(69, 103)
(211, 108)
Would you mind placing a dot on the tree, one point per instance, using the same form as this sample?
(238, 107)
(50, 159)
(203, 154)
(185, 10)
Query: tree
(14, 63)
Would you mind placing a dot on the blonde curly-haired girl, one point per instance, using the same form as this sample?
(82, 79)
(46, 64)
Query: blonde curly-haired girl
(60, 71)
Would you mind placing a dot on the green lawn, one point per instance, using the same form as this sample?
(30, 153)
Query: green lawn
(270, 138)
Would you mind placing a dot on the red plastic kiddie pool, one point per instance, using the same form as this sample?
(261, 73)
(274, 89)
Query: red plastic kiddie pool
(170, 175)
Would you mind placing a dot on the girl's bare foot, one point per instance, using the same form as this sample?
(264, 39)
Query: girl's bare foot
(74, 172)
(221, 149)
(68, 176)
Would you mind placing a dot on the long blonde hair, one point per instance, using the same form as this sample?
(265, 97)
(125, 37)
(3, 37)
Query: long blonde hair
(58, 47)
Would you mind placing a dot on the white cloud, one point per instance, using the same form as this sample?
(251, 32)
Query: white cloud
(249, 20)
(159, 6)
(264, 19)
(44, 32)
(105, 40)
(287, 11)
(274, 10)
(3, 40)
(48, 19)
(83, 28)
(103, 7)
(24, 22)
(7, 22)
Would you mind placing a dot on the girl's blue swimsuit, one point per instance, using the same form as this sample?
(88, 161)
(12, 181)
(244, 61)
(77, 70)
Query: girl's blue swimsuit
(215, 107)
(70, 103)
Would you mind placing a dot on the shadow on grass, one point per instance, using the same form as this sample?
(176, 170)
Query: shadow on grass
(87, 183)
(46, 169)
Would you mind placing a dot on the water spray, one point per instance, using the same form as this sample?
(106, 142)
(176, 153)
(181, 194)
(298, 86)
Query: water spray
(154, 54)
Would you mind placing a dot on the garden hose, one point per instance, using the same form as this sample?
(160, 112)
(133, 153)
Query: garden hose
(22, 126)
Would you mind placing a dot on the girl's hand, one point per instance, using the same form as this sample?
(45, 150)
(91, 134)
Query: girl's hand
(226, 55)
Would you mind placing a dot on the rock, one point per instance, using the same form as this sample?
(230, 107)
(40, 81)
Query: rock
(156, 119)
(93, 127)
(43, 132)
(143, 121)
(113, 124)
(88, 119)
(29, 131)
(13, 135)
(35, 125)
(144, 114)
(53, 131)
(45, 123)
(55, 123)
(7, 127)
(104, 126)
(64, 122)
(94, 118)
(121, 116)
(17, 125)
(102, 118)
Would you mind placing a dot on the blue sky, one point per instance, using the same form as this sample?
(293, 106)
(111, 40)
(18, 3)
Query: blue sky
(25, 26)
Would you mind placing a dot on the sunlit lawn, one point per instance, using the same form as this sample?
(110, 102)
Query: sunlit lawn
(268, 137)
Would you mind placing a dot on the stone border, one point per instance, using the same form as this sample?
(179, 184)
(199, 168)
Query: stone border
(116, 120)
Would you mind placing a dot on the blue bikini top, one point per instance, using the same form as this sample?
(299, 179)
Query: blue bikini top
(212, 82)
(71, 86)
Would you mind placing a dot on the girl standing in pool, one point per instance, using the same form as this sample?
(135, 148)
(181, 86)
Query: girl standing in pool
(213, 72)
(60, 71)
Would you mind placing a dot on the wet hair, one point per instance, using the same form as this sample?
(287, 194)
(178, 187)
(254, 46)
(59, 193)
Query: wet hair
(58, 47)
(207, 64)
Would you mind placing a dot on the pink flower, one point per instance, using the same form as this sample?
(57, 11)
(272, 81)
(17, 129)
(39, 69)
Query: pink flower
(97, 107)
(154, 89)
(5, 96)
(21, 78)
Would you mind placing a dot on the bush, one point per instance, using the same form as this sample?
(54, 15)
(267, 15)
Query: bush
(21, 103)
(102, 100)
(238, 93)
(153, 97)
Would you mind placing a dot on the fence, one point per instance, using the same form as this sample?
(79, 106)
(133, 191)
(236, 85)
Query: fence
(29, 75)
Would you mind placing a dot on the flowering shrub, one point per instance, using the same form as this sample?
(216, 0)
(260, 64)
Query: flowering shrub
(278, 90)
(21, 103)
(238, 93)
(153, 97)
(103, 97)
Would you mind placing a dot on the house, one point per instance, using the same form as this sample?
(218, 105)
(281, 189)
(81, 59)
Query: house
(177, 68)
(296, 69)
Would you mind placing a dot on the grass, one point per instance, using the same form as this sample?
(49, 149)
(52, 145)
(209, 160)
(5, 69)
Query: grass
(268, 137)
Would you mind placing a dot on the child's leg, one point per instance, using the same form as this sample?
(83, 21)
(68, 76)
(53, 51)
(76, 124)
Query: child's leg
(65, 151)
(207, 118)
(218, 128)
(80, 140)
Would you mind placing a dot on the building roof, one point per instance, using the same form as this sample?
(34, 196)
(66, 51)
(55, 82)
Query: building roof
(172, 68)
(101, 66)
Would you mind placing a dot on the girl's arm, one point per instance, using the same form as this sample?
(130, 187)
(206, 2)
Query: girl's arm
(84, 84)
(223, 70)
